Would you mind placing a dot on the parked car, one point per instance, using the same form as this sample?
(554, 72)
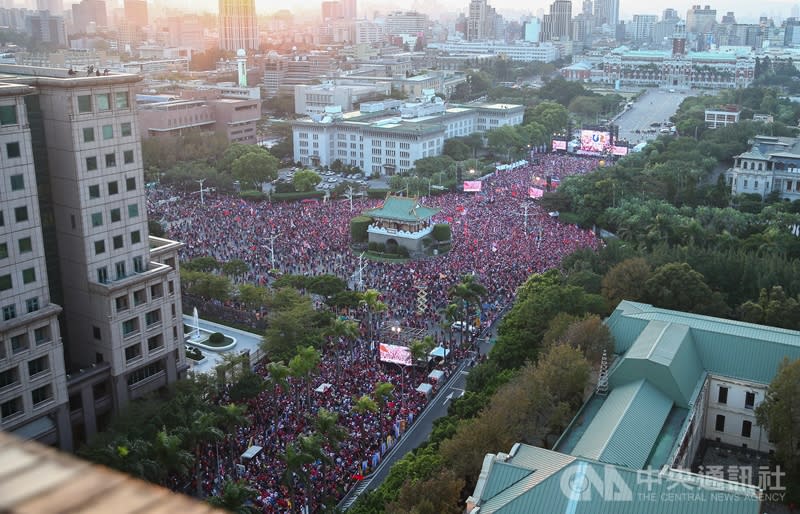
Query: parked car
(463, 327)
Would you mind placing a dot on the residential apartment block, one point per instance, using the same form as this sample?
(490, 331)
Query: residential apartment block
(119, 289)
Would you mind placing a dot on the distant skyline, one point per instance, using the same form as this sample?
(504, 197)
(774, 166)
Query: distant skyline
(746, 11)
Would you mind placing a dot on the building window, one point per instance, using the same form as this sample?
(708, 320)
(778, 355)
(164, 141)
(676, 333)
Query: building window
(125, 129)
(8, 114)
(21, 214)
(85, 103)
(719, 426)
(119, 269)
(97, 219)
(91, 163)
(17, 182)
(113, 188)
(19, 343)
(25, 245)
(127, 156)
(94, 191)
(155, 343)
(747, 427)
(8, 377)
(9, 312)
(40, 365)
(5, 282)
(3, 250)
(129, 327)
(117, 242)
(99, 247)
(41, 334)
(111, 160)
(32, 304)
(108, 132)
(41, 394)
(136, 237)
(88, 134)
(121, 303)
(133, 210)
(139, 297)
(145, 372)
(116, 215)
(11, 408)
(2, 219)
(28, 275)
(132, 352)
(749, 400)
(156, 291)
(138, 264)
(102, 275)
(130, 184)
(121, 100)
(722, 397)
(103, 102)
(96, 333)
(152, 317)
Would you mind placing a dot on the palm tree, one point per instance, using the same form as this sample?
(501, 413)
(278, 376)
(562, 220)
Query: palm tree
(467, 292)
(232, 415)
(419, 349)
(170, 456)
(346, 329)
(365, 404)
(202, 429)
(278, 375)
(295, 460)
(236, 497)
(327, 425)
(381, 394)
(371, 300)
(301, 366)
(450, 316)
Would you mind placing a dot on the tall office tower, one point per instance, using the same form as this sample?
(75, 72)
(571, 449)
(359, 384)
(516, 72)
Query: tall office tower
(349, 9)
(482, 21)
(408, 22)
(728, 19)
(237, 25)
(607, 12)
(558, 24)
(86, 12)
(642, 27)
(700, 20)
(119, 288)
(587, 8)
(54, 6)
(44, 27)
(33, 387)
(669, 14)
(331, 10)
(136, 13)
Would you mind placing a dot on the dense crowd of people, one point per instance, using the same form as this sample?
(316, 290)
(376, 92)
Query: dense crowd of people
(494, 236)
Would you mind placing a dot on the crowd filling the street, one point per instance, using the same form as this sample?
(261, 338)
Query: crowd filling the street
(495, 237)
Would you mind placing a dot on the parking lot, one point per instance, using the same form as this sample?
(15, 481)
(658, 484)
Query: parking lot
(649, 114)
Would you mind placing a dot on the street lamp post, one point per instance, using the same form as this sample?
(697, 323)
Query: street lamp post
(396, 330)
(202, 190)
(272, 249)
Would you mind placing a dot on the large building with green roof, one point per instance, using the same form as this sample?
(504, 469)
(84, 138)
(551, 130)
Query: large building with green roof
(678, 379)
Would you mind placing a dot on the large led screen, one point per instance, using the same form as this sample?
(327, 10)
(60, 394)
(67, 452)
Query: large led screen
(559, 145)
(395, 354)
(595, 142)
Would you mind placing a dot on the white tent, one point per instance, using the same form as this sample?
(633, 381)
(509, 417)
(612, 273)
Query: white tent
(323, 388)
(436, 374)
(251, 452)
(440, 351)
(425, 389)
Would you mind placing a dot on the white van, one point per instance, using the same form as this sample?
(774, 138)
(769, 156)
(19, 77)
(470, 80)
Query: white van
(463, 327)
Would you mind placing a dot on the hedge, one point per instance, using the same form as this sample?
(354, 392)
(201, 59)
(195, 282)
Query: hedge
(251, 195)
(377, 193)
(358, 228)
(299, 195)
(441, 232)
(216, 338)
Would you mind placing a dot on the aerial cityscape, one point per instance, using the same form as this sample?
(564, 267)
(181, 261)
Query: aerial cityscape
(467, 256)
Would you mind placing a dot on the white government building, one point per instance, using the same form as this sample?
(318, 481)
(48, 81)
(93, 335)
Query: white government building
(387, 137)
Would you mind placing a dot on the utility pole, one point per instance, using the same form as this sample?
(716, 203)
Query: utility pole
(272, 249)
(361, 267)
(202, 190)
(350, 196)
(525, 212)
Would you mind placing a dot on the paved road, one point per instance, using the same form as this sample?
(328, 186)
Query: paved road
(655, 106)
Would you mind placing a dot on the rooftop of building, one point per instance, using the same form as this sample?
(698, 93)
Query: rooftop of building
(400, 208)
(61, 77)
(772, 147)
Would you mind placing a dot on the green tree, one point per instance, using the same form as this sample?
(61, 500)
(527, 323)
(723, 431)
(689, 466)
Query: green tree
(169, 455)
(326, 423)
(626, 281)
(235, 268)
(467, 292)
(305, 180)
(456, 149)
(237, 497)
(370, 299)
(779, 414)
(255, 168)
(364, 404)
(679, 287)
(301, 366)
(292, 323)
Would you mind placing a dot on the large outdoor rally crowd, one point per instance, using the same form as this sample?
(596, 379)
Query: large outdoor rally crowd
(493, 236)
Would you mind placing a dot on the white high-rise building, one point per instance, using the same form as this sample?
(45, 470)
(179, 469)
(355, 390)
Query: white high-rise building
(642, 27)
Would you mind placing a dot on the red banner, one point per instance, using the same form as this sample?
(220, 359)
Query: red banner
(472, 186)
(534, 192)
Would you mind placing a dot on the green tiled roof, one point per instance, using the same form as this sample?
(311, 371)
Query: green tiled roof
(664, 353)
(400, 208)
(627, 425)
(725, 347)
(634, 492)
